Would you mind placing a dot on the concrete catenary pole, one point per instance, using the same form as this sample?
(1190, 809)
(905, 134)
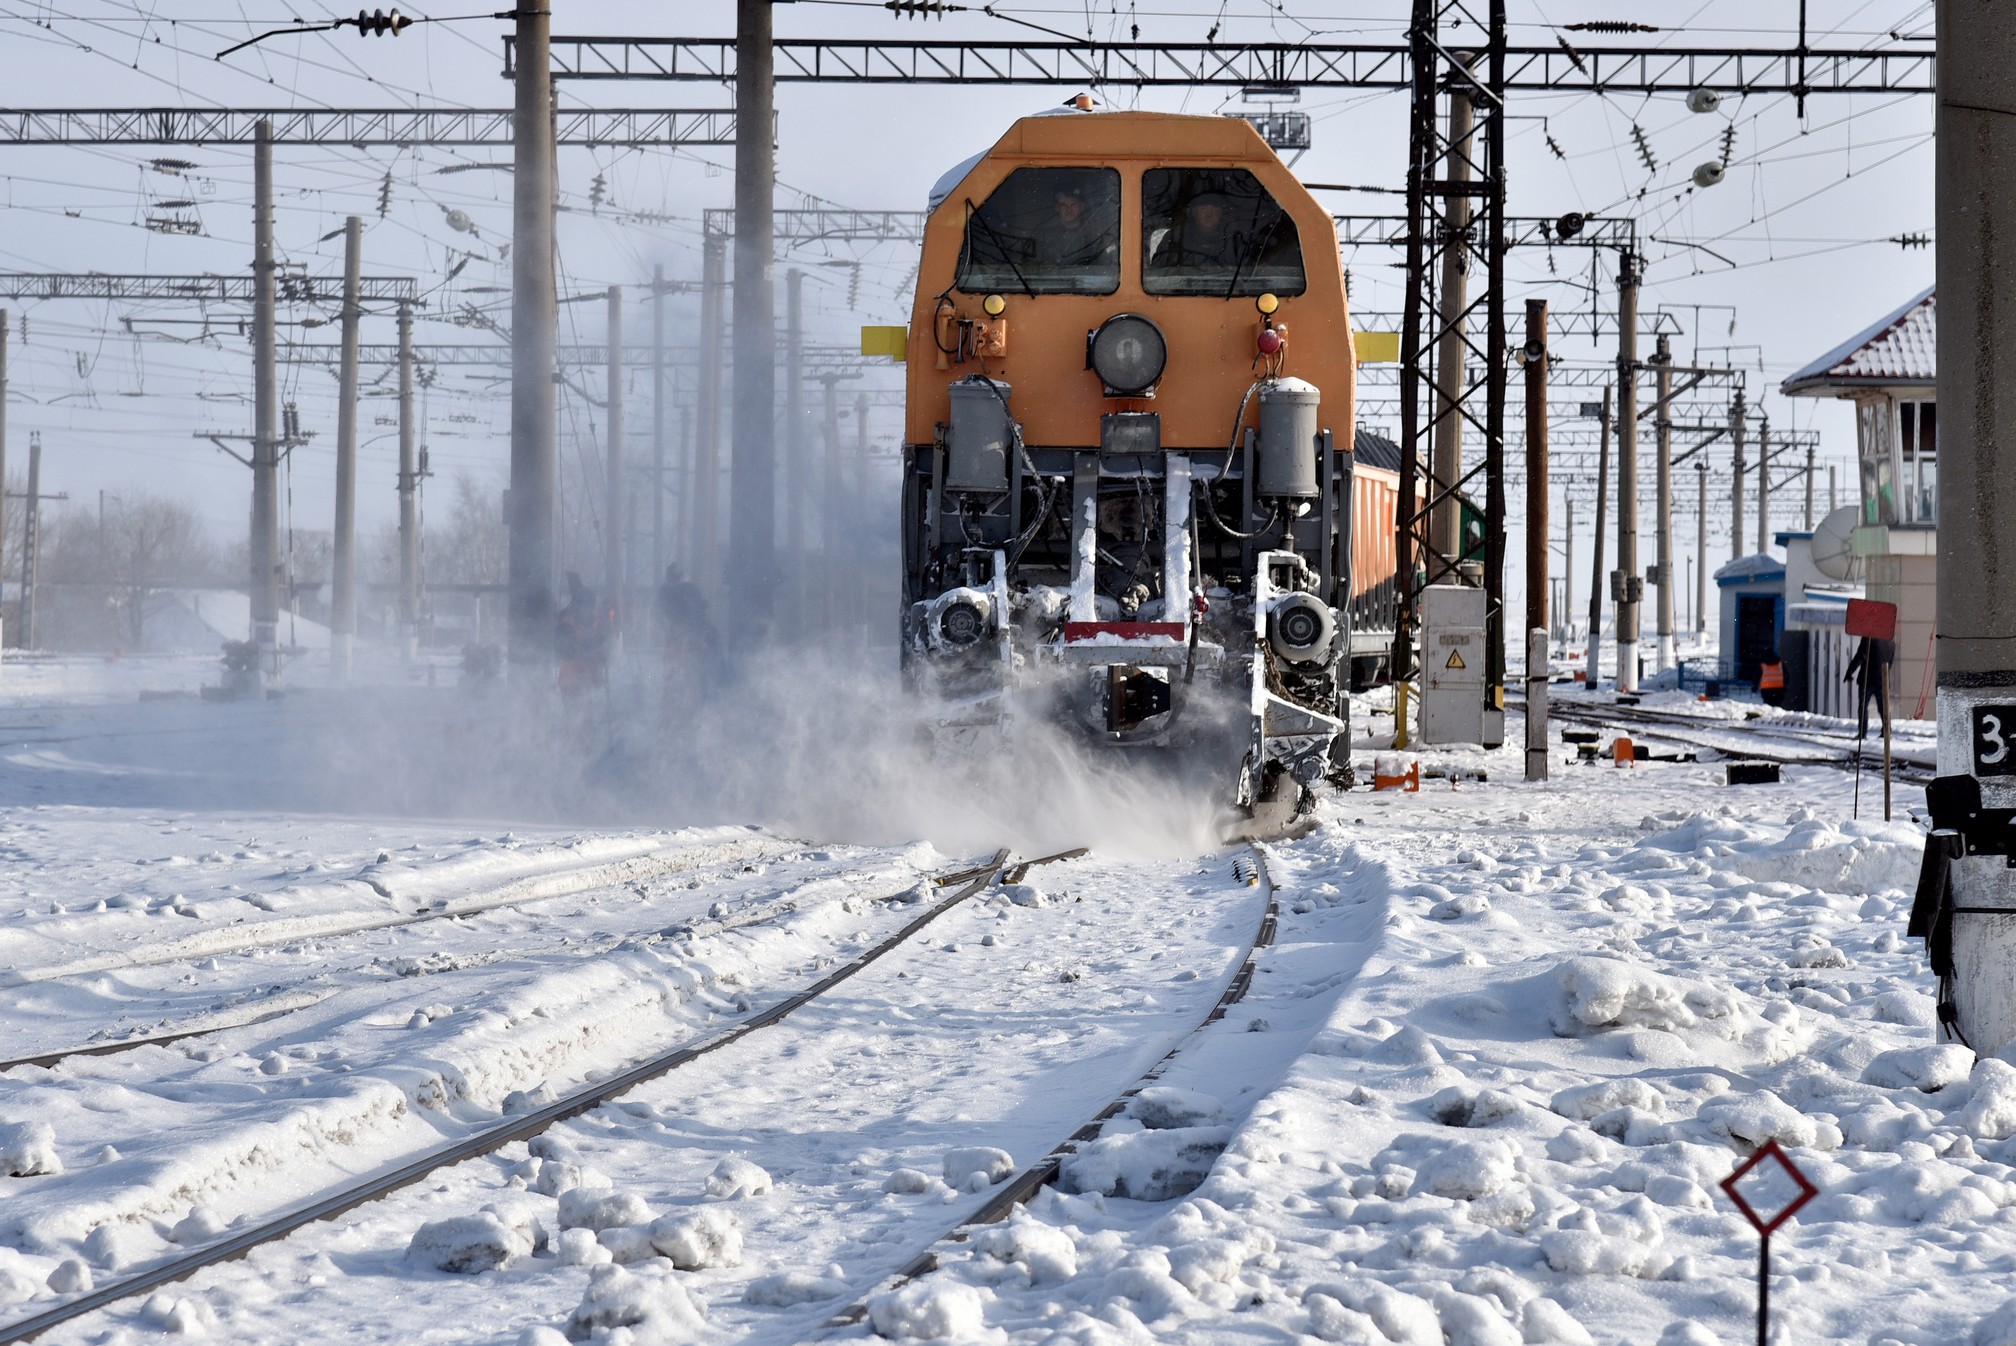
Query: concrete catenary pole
(1811, 450)
(534, 333)
(1738, 415)
(835, 584)
(1538, 530)
(1976, 643)
(796, 485)
(1631, 587)
(1538, 538)
(1592, 664)
(265, 540)
(1700, 547)
(409, 497)
(704, 467)
(31, 540)
(657, 424)
(1564, 619)
(857, 590)
(1445, 524)
(1663, 488)
(1833, 488)
(753, 484)
(4, 317)
(1764, 486)
(615, 497)
(343, 575)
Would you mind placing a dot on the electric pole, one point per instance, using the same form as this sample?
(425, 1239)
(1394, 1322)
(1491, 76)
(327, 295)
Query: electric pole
(753, 482)
(1591, 662)
(343, 577)
(534, 396)
(657, 425)
(265, 540)
(31, 540)
(1631, 588)
(703, 509)
(796, 487)
(1737, 415)
(1537, 541)
(1663, 489)
(1976, 220)
(612, 458)
(1811, 449)
(1700, 548)
(409, 502)
(1445, 527)
(4, 317)
(1764, 487)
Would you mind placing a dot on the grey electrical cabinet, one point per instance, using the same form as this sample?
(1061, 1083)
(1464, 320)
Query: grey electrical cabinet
(1452, 664)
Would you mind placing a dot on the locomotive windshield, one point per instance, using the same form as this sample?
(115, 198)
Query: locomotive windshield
(1216, 231)
(1045, 231)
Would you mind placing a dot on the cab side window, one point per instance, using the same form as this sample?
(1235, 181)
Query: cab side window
(1045, 231)
(1216, 231)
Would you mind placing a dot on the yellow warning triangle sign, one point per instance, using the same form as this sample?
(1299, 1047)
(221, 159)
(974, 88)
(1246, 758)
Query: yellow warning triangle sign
(1455, 660)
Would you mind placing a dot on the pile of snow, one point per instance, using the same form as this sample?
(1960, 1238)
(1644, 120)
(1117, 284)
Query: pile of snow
(656, 1309)
(736, 1177)
(1145, 1165)
(28, 1149)
(934, 1311)
(698, 1239)
(975, 1168)
(466, 1244)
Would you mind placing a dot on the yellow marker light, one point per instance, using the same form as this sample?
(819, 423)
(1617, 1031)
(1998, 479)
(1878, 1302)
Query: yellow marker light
(1267, 303)
(993, 303)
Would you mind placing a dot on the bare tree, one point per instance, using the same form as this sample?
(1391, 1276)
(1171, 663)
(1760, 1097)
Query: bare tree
(108, 565)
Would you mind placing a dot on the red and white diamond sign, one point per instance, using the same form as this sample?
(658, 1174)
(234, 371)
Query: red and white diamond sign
(1769, 1188)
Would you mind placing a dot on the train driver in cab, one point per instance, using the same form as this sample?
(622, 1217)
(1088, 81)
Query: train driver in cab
(1078, 234)
(1203, 239)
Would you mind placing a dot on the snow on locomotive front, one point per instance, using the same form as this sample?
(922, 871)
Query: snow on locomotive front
(1127, 472)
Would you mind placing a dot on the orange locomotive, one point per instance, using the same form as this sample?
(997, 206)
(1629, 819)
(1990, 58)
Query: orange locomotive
(1128, 479)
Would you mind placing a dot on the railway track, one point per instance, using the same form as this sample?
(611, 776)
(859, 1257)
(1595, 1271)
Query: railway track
(514, 892)
(1741, 740)
(965, 884)
(958, 888)
(1034, 1178)
(280, 1002)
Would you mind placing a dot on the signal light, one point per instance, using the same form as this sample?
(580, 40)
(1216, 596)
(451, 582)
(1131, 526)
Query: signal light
(1270, 341)
(993, 304)
(1267, 303)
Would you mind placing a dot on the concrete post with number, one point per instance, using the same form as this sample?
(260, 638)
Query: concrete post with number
(1976, 215)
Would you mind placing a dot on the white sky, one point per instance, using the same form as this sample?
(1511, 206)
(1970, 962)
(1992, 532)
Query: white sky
(1803, 216)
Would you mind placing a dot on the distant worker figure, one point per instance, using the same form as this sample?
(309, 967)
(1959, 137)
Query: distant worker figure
(1203, 238)
(1771, 680)
(1872, 659)
(687, 640)
(581, 640)
(1074, 238)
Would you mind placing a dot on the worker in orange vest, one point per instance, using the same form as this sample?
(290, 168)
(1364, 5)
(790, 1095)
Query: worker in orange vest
(1771, 680)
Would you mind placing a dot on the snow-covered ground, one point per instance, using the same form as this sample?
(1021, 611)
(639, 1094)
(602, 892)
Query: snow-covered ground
(1506, 1043)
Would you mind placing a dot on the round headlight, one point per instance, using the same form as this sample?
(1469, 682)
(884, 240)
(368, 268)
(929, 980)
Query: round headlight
(962, 623)
(1128, 353)
(1301, 629)
(992, 305)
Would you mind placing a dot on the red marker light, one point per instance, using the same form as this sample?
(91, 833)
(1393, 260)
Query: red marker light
(1270, 341)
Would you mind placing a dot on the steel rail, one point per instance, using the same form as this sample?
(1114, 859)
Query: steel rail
(781, 905)
(1842, 758)
(286, 930)
(484, 1142)
(1020, 1188)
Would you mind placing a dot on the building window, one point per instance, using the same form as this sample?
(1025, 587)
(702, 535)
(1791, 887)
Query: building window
(1876, 444)
(1918, 474)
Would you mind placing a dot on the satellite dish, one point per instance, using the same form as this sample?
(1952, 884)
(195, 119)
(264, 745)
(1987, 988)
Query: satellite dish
(1832, 555)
